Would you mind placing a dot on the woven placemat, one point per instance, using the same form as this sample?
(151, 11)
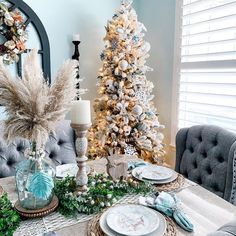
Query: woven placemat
(95, 230)
(174, 185)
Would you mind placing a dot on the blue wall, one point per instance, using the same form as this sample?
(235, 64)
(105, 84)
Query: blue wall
(88, 17)
(61, 20)
(64, 18)
(159, 19)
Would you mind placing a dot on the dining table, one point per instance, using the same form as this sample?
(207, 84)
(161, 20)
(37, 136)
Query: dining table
(206, 210)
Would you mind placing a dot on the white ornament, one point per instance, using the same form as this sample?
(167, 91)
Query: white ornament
(142, 117)
(109, 84)
(141, 95)
(127, 130)
(114, 97)
(123, 65)
(119, 30)
(137, 110)
(116, 129)
(130, 150)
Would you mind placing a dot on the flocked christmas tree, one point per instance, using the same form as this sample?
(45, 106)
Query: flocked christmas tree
(126, 120)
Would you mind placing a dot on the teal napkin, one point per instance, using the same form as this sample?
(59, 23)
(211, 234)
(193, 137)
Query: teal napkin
(134, 164)
(169, 204)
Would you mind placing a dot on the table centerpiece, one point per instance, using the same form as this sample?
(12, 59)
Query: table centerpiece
(33, 109)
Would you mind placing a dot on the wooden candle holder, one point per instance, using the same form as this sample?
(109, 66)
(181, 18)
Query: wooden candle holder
(81, 145)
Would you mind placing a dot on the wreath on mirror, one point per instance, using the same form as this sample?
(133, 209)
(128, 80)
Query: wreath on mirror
(13, 30)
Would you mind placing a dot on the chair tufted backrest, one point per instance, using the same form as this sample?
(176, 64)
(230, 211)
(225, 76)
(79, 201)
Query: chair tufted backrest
(59, 147)
(204, 155)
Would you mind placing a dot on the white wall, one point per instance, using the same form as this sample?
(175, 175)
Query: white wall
(159, 19)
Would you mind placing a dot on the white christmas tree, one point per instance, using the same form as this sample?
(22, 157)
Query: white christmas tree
(126, 120)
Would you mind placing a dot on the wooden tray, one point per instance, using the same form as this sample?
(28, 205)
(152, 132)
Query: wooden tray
(39, 212)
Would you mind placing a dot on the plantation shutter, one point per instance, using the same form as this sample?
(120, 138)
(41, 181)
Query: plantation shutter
(207, 71)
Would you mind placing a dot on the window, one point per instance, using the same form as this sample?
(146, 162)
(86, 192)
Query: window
(204, 90)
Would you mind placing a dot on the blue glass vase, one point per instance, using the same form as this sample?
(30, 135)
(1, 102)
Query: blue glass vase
(35, 181)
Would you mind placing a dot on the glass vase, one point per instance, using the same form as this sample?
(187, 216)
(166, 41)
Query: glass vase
(35, 180)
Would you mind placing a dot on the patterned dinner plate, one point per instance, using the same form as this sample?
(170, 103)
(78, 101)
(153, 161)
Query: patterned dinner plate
(108, 231)
(132, 220)
(137, 173)
(68, 170)
(157, 173)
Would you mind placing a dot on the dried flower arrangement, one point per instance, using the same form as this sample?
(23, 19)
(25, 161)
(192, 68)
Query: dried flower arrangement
(12, 27)
(33, 107)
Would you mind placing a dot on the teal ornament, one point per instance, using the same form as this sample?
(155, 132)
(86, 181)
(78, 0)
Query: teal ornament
(41, 185)
(135, 39)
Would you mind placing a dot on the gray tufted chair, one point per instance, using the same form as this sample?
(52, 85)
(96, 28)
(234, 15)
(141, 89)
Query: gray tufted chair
(205, 155)
(59, 147)
(226, 230)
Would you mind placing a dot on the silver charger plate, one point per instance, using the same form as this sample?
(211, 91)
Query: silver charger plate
(137, 173)
(68, 170)
(157, 173)
(109, 232)
(132, 220)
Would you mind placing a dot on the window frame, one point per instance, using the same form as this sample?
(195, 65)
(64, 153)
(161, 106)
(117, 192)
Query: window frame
(176, 71)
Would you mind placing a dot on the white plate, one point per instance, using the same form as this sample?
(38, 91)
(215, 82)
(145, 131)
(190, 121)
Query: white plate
(137, 173)
(68, 170)
(132, 220)
(157, 173)
(158, 232)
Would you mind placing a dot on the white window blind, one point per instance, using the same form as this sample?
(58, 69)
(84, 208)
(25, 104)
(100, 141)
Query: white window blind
(207, 63)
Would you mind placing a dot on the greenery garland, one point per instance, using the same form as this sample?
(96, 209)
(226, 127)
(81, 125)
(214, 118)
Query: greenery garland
(9, 218)
(103, 192)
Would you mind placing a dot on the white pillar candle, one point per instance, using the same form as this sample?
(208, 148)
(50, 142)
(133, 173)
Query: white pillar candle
(80, 112)
(76, 37)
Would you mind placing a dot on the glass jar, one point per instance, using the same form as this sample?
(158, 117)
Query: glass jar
(35, 180)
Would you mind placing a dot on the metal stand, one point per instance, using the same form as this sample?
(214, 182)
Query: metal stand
(81, 149)
(76, 57)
